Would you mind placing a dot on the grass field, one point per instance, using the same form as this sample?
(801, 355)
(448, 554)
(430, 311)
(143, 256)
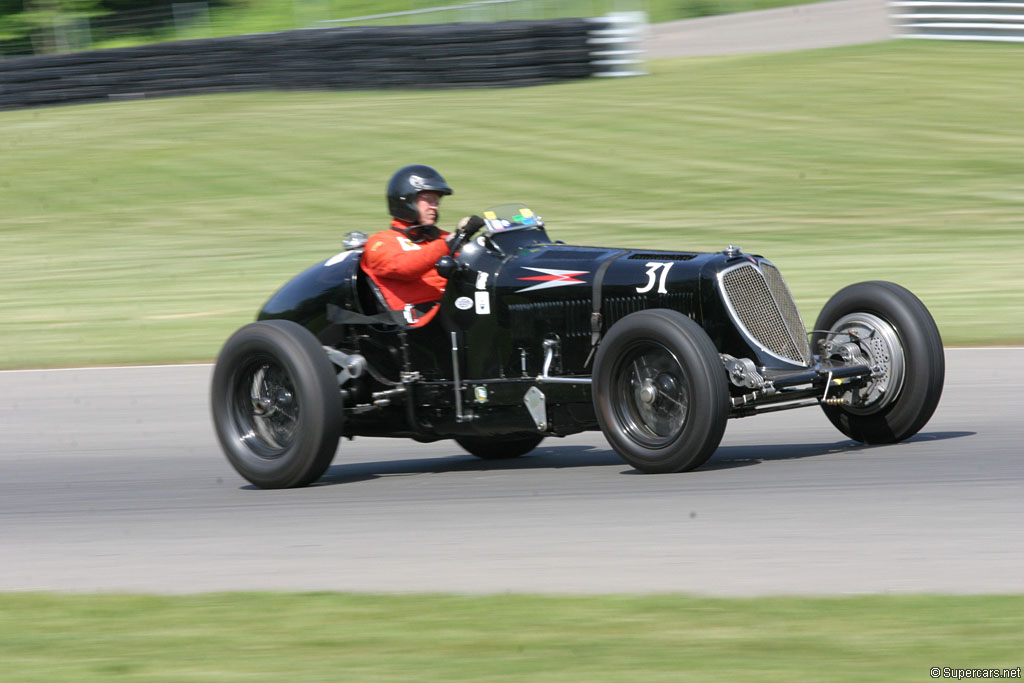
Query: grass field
(148, 231)
(328, 637)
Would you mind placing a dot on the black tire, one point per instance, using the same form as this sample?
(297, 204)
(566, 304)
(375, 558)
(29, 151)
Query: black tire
(276, 404)
(497, 447)
(660, 391)
(906, 343)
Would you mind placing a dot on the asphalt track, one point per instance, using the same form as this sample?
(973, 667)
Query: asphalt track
(798, 27)
(111, 479)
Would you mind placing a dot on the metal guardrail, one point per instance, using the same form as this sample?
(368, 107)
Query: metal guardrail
(993, 20)
(479, 11)
(617, 39)
(416, 12)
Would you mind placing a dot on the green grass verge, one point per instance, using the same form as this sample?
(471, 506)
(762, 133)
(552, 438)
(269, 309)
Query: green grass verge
(148, 231)
(326, 636)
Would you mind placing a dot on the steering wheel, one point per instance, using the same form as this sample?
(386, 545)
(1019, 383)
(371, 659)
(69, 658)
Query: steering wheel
(446, 266)
(468, 227)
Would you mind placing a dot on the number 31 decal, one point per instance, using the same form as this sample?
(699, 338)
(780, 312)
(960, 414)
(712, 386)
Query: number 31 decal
(652, 269)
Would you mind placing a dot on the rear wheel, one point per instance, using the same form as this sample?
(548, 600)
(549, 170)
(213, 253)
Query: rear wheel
(883, 325)
(660, 391)
(498, 448)
(276, 404)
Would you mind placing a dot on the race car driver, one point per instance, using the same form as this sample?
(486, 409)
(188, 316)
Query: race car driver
(401, 259)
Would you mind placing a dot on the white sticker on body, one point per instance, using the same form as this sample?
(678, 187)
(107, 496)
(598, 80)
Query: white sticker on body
(463, 303)
(481, 280)
(483, 303)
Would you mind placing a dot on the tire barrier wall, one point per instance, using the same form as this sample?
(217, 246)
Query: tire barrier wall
(490, 55)
(617, 44)
(996, 20)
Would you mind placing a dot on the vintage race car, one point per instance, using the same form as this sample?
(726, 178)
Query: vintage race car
(535, 339)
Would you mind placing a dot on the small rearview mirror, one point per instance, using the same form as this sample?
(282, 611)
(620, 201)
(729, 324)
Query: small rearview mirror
(355, 240)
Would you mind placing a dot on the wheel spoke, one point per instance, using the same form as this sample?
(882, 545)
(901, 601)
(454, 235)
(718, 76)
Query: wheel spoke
(265, 408)
(652, 395)
(670, 399)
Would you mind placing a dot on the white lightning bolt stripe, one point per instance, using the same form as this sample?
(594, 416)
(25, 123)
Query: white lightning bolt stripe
(553, 277)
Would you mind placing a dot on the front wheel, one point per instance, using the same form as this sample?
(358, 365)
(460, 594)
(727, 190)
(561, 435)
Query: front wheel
(498, 448)
(660, 391)
(883, 325)
(276, 404)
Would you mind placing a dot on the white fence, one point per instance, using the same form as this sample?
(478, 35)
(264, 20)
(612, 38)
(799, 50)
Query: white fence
(998, 20)
(617, 44)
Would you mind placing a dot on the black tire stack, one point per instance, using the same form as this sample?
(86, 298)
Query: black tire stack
(435, 56)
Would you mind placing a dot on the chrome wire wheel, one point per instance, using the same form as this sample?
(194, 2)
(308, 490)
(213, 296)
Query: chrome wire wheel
(660, 392)
(652, 395)
(276, 405)
(265, 408)
(868, 339)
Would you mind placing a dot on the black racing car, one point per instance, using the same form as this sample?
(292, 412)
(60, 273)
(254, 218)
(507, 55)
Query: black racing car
(535, 338)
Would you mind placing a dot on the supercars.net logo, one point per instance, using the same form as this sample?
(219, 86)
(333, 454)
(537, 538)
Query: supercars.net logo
(553, 277)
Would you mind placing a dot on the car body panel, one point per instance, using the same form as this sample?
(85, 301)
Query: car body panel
(520, 310)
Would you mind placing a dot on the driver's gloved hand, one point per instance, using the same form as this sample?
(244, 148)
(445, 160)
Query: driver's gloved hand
(470, 224)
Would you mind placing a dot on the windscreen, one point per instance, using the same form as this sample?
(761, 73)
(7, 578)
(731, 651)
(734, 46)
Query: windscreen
(511, 217)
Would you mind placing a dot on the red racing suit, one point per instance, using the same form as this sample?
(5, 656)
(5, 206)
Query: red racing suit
(404, 270)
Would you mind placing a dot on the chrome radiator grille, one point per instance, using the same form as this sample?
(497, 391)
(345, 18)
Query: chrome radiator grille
(764, 308)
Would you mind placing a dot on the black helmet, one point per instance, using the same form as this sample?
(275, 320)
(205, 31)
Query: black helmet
(406, 183)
